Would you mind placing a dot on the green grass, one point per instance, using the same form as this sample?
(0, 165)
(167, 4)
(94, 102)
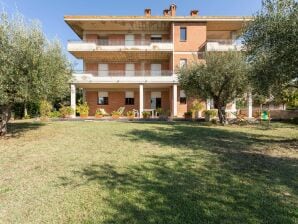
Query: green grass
(116, 172)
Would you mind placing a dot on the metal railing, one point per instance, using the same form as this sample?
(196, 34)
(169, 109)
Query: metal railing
(107, 42)
(128, 73)
(225, 41)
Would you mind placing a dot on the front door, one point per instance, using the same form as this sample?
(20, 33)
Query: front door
(155, 100)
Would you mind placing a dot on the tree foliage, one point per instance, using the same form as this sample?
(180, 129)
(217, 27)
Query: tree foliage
(271, 41)
(222, 77)
(31, 67)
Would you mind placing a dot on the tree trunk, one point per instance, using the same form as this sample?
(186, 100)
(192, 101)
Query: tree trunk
(221, 109)
(222, 115)
(5, 114)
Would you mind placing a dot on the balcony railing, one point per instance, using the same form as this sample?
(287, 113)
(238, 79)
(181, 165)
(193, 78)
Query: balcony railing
(117, 45)
(224, 45)
(128, 73)
(106, 42)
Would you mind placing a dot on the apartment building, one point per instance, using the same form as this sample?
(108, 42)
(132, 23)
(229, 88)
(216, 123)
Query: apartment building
(132, 61)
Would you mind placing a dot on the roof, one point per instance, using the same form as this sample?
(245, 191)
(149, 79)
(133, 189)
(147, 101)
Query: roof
(79, 23)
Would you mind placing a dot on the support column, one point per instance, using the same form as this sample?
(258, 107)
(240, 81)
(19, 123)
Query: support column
(141, 94)
(175, 105)
(249, 100)
(73, 99)
(208, 104)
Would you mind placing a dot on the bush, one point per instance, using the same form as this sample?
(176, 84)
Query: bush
(116, 113)
(162, 112)
(65, 111)
(130, 113)
(55, 114)
(83, 109)
(45, 109)
(188, 113)
(211, 113)
(146, 114)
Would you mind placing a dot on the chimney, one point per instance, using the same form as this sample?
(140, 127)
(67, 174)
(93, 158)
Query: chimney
(166, 12)
(194, 12)
(147, 12)
(173, 8)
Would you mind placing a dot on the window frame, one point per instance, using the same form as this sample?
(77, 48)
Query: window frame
(185, 29)
(182, 100)
(129, 98)
(102, 100)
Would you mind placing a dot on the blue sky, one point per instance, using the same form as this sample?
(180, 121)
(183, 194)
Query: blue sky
(50, 12)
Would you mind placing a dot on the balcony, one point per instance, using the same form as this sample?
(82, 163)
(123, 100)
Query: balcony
(119, 45)
(129, 76)
(224, 45)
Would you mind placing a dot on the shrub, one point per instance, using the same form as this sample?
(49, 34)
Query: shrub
(211, 113)
(188, 113)
(83, 109)
(45, 109)
(197, 106)
(162, 112)
(65, 111)
(130, 113)
(55, 114)
(146, 114)
(98, 112)
(116, 113)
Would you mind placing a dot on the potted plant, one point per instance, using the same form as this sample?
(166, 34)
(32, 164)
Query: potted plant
(65, 111)
(209, 114)
(146, 114)
(98, 114)
(130, 115)
(163, 114)
(188, 115)
(83, 110)
(115, 115)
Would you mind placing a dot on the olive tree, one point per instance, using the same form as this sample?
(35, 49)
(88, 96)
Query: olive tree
(271, 41)
(222, 76)
(31, 67)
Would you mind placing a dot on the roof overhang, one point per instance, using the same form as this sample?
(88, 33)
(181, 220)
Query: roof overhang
(152, 23)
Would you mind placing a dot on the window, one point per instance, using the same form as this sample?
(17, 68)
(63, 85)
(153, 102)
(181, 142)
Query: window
(129, 98)
(183, 62)
(103, 98)
(183, 33)
(182, 97)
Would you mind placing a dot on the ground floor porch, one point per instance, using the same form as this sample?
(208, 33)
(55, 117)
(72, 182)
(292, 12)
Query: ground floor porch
(143, 97)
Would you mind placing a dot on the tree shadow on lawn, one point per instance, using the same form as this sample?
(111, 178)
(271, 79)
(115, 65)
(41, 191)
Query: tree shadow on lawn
(17, 129)
(218, 181)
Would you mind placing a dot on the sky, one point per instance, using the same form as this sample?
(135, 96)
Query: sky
(50, 13)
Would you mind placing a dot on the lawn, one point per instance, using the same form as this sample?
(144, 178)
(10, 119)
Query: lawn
(117, 172)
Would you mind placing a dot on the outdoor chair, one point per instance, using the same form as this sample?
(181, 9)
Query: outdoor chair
(104, 113)
(136, 112)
